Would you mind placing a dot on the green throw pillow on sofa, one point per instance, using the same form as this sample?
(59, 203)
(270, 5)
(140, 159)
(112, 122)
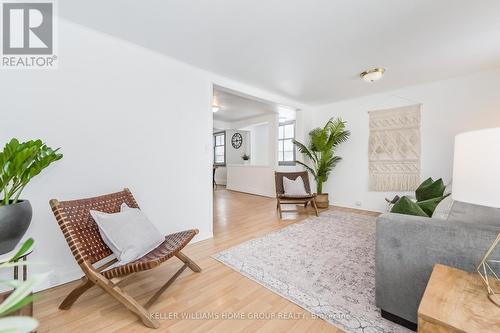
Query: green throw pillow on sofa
(426, 182)
(429, 190)
(406, 206)
(429, 205)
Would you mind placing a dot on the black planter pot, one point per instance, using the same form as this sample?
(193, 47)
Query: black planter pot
(14, 221)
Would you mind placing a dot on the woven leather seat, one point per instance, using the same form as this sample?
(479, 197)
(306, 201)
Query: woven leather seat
(88, 248)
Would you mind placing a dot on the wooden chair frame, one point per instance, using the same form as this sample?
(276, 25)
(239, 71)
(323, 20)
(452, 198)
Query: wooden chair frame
(282, 199)
(87, 246)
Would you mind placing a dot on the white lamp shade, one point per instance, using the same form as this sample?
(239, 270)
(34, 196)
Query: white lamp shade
(476, 167)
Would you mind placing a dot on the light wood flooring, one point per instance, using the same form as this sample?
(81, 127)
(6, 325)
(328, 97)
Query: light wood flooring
(216, 292)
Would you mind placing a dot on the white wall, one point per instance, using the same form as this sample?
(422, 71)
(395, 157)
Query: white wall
(253, 179)
(449, 107)
(233, 155)
(258, 178)
(220, 125)
(257, 143)
(123, 116)
(272, 138)
(127, 116)
(260, 144)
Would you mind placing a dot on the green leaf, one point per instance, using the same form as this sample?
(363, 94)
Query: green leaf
(311, 170)
(321, 149)
(19, 305)
(20, 293)
(26, 247)
(429, 205)
(11, 283)
(406, 206)
(19, 163)
(18, 324)
(304, 150)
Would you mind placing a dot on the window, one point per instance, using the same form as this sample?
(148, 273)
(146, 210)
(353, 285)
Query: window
(286, 148)
(220, 148)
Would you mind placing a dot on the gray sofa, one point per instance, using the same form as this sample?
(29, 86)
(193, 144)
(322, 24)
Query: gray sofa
(407, 248)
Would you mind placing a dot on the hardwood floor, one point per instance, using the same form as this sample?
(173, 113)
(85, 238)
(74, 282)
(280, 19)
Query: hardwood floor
(208, 296)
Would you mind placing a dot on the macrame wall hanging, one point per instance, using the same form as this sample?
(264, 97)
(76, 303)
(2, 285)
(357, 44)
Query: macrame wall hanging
(394, 149)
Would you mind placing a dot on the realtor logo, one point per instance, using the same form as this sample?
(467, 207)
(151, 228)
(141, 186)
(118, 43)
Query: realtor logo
(28, 35)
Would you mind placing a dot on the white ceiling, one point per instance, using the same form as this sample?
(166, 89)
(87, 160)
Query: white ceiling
(309, 50)
(235, 106)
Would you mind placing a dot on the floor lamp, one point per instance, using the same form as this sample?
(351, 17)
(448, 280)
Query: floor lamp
(476, 180)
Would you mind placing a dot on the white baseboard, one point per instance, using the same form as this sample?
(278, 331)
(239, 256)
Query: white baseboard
(342, 205)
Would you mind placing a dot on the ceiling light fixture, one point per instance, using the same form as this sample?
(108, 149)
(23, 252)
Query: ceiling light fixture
(372, 75)
(215, 108)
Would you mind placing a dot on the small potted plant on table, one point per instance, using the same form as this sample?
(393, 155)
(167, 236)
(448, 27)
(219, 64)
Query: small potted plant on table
(321, 153)
(19, 163)
(246, 158)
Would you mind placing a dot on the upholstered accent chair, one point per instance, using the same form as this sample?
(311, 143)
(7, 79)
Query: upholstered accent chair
(88, 248)
(283, 199)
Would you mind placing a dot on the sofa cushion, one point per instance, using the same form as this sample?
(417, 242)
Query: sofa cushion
(443, 209)
(429, 205)
(406, 206)
(469, 213)
(429, 189)
(426, 182)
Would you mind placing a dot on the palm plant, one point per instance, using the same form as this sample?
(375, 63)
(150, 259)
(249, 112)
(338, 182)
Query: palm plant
(321, 150)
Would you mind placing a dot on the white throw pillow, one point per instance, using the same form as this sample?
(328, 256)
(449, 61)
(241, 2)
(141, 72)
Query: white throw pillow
(129, 233)
(294, 187)
(125, 207)
(443, 208)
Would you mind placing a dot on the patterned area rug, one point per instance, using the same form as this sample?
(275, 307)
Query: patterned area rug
(324, 264)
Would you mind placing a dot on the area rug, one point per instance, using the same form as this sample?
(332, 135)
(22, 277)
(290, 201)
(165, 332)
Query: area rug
(324, 264)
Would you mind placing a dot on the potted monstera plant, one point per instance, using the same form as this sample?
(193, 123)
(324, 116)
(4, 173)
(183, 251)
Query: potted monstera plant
(19, 163)
(320, 152)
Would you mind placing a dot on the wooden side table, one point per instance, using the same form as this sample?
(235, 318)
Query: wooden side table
(456, 301)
